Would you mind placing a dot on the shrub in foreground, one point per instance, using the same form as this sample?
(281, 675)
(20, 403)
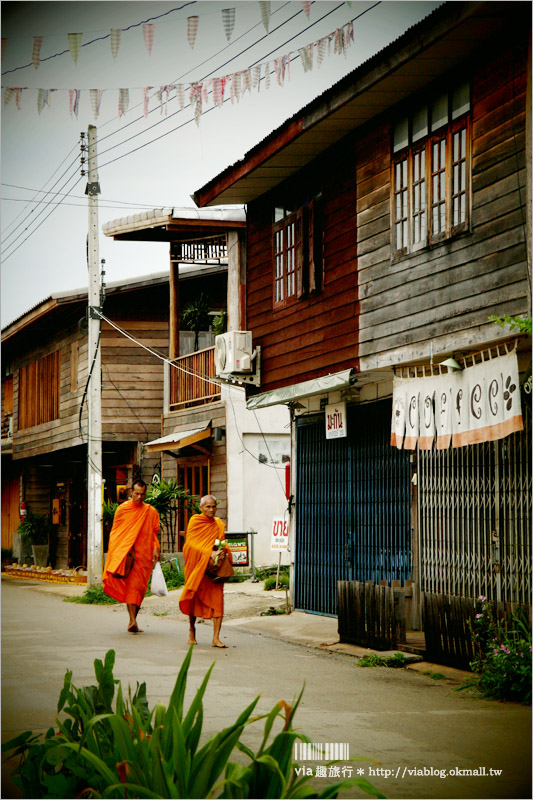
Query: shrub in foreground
(503, 660)
(131, 751)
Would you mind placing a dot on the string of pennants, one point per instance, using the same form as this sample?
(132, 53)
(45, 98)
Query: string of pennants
(148, 29)
(233, 85)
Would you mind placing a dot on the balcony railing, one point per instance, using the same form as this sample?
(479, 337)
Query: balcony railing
(188, 384)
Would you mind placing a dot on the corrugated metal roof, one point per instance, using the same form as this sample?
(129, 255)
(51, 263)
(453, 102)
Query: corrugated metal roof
(433, 46)
(157, 217)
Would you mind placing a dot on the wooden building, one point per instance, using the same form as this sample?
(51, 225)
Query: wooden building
(44, 401)
(208, 441)
(387, 221)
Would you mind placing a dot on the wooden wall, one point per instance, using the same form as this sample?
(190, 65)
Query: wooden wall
(197, 418)
(318, 334)
(375, 311)
(64, 431)
(445, 293)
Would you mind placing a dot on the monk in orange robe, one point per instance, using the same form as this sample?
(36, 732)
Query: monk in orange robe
(201, 597)
(136, 523)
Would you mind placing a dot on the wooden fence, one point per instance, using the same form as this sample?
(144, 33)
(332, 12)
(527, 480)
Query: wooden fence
(446, 619)
(370, 615)
(188, 384)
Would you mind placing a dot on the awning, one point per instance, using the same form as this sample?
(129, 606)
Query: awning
(287, 394)
(179, 440)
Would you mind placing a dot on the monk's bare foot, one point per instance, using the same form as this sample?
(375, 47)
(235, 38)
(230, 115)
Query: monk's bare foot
(219, 644)
(192, 641)
(133, 628)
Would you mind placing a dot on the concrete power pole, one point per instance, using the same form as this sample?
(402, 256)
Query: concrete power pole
(94, 395)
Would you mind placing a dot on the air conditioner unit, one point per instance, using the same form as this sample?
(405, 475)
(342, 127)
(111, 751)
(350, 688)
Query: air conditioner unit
(233, 353)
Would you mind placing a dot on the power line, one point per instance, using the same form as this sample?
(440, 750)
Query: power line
(187, 122)
(106, 36)
(83, 197)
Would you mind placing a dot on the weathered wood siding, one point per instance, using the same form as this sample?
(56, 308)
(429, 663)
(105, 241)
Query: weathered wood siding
(197, 418)
(445, 293)
(317, 334)
(64, 431)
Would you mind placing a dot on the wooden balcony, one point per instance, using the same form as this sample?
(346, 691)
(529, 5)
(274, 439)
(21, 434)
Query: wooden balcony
(188, 387)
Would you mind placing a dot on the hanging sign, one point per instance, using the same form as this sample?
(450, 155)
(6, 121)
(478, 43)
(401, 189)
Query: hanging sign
(280, 534)
(480, 403)
(336, 427)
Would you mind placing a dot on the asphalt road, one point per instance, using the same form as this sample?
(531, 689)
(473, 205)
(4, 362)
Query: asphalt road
(420, 730)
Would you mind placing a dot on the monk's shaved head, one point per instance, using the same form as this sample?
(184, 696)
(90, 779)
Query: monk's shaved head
(208, 498)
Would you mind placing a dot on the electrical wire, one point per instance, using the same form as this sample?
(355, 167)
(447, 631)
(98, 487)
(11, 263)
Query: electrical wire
(6, 257)
(189, 121)
(103, 38)
(81, 197)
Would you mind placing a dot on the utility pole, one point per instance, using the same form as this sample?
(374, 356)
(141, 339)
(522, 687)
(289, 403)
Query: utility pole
(94, 394)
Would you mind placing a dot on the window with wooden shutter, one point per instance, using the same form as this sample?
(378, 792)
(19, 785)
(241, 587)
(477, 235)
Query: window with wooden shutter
(431, 167)
(297, 252)
(38, 391)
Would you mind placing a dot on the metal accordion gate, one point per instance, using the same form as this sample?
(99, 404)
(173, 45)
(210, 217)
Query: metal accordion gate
(352, 507)
(475, 518)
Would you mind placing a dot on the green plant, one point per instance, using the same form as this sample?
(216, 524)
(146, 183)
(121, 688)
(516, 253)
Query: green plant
(220, 323)
(503, 654)
(36, 528)
(371, 660)
(195, 316)
(167, 497)
(131, 751)
(108, 513)
(93, 595)
(523, 324)
(436, 676)
(270, 582)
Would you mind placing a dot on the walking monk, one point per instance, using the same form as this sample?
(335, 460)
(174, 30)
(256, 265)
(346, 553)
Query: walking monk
(136, 524)
(201, 597)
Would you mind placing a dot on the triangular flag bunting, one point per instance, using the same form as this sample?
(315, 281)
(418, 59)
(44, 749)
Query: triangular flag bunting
(74, 43)
(180, 94)
(8, 94)
(256, 76)
(35, 56)
(148, 32)
(267, 75)
(321, 48)
(145, 99)
(265, 14)
(196, 101)
(123, 101)
(228, 20)
(307, 7)
(192, 29)
(219, 85)
(74, 101)
(41, 99)
(115, 42)
(18, 96)
(96, 99)
(306, 56)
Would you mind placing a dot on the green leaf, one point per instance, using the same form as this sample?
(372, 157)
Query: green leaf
(178, 693)
(268, 726)
(361, 783)
(65, 691)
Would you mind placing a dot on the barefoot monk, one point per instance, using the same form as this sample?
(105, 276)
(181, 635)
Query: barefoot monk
(201, 597)
(136, 525)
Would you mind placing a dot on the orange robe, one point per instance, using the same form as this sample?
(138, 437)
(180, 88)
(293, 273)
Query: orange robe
(134, 524)
(201, 597)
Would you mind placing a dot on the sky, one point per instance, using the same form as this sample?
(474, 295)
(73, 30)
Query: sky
(151, 161)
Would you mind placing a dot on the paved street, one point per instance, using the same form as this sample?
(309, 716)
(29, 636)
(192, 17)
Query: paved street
(405, 720)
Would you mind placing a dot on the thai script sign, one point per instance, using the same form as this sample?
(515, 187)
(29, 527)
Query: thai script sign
(336, 421)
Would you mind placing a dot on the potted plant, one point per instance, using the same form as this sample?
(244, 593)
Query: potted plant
(36, 530)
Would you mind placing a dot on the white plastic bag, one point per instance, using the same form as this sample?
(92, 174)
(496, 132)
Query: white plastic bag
(157, 584)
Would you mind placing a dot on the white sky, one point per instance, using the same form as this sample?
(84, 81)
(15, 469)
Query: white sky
(44, 252)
